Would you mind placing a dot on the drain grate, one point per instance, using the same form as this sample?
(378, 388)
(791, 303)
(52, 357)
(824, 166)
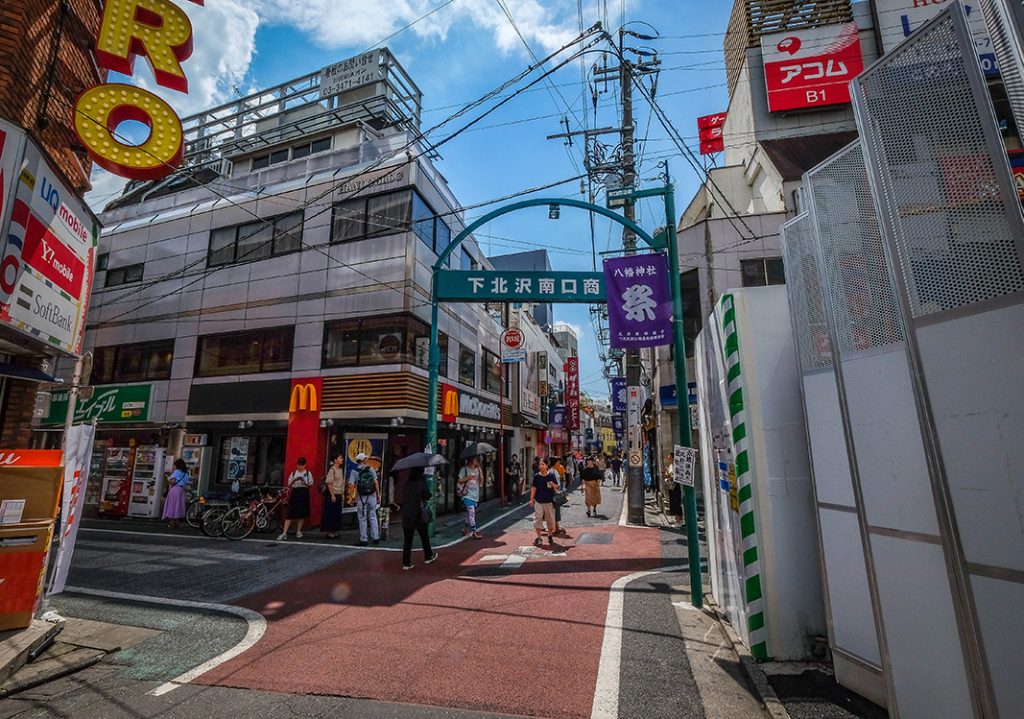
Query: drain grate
(595, 538)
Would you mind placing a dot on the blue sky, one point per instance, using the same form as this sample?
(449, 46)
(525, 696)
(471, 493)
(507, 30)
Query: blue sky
(455, 55)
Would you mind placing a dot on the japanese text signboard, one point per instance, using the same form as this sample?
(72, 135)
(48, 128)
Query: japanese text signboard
(46, 271)
(709, 130)
(639, 308)
(572, 393)
(526, 286)
(618, 395)
(112, 404)
(685, 464)
(513, 345)
(897, 19)
(811, 67)
(350, 74)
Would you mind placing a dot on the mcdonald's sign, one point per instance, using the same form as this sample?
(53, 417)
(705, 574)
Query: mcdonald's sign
(304, 398)
(449, 403)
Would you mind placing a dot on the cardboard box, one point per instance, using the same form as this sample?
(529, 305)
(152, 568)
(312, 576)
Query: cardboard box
(23, 549)
(39, 487)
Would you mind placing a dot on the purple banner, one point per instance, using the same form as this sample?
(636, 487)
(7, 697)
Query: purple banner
(558, 415)
(618, 424)
(639, 305)
(618, 395)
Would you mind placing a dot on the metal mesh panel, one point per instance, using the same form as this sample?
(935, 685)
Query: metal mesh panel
(937, 183)
(805, 294)
(864, 307)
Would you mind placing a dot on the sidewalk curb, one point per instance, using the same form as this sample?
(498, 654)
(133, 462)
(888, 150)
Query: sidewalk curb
(769, 699)
(66, 670)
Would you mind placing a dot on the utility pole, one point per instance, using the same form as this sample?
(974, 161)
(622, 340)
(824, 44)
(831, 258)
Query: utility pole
(634, 469)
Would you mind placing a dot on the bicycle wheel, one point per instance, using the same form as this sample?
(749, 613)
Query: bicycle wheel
(194, 513)
(212, 521)
(266, 521)
(238, 523)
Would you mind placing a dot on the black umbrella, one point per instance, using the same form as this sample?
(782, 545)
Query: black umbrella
(472, 450)
(418, 459)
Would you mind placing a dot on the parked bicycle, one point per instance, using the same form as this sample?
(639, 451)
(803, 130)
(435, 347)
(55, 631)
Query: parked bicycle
(212, 522)
(201, 503)
(261, 515)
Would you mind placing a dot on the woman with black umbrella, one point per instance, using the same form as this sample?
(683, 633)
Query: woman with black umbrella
(415, 512)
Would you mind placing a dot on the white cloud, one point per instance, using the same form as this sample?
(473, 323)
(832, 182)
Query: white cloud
(334, 24)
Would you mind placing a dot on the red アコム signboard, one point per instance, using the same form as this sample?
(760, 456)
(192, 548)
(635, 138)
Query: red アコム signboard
(811, 67)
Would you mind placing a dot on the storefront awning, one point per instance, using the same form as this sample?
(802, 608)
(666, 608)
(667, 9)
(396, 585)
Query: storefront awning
(30, 373)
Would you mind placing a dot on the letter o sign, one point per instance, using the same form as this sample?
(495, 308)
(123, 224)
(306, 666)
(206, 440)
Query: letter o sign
(101, 109)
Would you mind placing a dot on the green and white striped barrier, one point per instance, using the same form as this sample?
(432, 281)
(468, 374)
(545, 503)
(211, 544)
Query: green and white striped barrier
(752, 591)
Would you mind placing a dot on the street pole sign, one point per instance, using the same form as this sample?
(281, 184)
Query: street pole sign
(685, 463)
(516, 286)
(513, 345)
(619, 197)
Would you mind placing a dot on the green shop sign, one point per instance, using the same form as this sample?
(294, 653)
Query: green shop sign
(527, 286)
(109, 404)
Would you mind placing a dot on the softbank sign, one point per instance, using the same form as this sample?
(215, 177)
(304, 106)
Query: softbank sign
(162, 32)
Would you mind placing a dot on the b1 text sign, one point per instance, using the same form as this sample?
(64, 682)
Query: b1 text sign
(811, 67)
(513, 286)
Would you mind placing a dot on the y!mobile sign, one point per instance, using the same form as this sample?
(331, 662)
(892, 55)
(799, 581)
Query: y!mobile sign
(811, 67)
(46, 269)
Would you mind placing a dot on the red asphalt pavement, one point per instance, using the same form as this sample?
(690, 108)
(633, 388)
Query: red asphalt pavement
(527, 642)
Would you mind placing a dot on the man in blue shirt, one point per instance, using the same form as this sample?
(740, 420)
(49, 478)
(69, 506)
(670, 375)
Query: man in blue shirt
(542, 499)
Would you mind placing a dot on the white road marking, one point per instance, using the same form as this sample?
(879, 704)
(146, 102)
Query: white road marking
(256, 629)
(493, 558)
(514, 561)
(606, 692)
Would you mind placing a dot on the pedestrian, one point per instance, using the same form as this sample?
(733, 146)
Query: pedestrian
(535, 466)
(514, 478)
(542, 500)
(334, 497)
(174, 502)
(367, 486)
(469, 490)
(617, 470)
(299, 483)
(415, 499)
(592, 487)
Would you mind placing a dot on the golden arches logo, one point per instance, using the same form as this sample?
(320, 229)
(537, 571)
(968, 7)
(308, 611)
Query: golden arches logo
(450, 406)
(303, 398)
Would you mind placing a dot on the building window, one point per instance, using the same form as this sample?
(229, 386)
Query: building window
(252, 459)
(762, 272)
(492, 379)
(102, 260)
(467, 261)
(263, 350)
(133, 363)
(692, 316)
(124, 275)
(467, 366)
(361, 217)
(396, 339)
(256, 240)
(294, 153)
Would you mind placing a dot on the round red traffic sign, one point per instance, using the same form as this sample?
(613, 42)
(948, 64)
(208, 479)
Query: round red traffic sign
(513, 338)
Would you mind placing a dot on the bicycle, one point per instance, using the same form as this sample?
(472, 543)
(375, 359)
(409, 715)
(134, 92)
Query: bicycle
(212, 521)
(261, 515)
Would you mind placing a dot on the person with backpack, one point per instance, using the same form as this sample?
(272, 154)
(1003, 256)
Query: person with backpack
(415, 513)
(469, 489)
(364, 478)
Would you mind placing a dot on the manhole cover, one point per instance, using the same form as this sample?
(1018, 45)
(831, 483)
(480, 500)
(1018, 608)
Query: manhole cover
(595, 538)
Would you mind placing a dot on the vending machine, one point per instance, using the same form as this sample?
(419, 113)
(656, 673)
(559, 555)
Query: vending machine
(197, 459)
(117, 477)
(147, 482)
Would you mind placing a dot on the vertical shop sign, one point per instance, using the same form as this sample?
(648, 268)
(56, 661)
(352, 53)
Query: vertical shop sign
(618, 395)
(77, 462)
(572, 393)
(639, 305)
(709, 132)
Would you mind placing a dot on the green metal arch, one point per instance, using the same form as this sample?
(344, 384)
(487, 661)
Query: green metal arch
(535, 202)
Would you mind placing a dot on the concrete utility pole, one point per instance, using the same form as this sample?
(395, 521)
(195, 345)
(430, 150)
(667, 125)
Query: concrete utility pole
(634, 470)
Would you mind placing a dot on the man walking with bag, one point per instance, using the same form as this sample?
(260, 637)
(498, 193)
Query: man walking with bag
(364, 477)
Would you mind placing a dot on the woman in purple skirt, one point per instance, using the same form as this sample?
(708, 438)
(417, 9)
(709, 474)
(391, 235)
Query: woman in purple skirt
(174, 502)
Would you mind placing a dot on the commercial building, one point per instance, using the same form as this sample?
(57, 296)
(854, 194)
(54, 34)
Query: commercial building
(271, 300)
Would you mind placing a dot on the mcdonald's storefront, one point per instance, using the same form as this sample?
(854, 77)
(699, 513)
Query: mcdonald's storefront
(255, 431)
